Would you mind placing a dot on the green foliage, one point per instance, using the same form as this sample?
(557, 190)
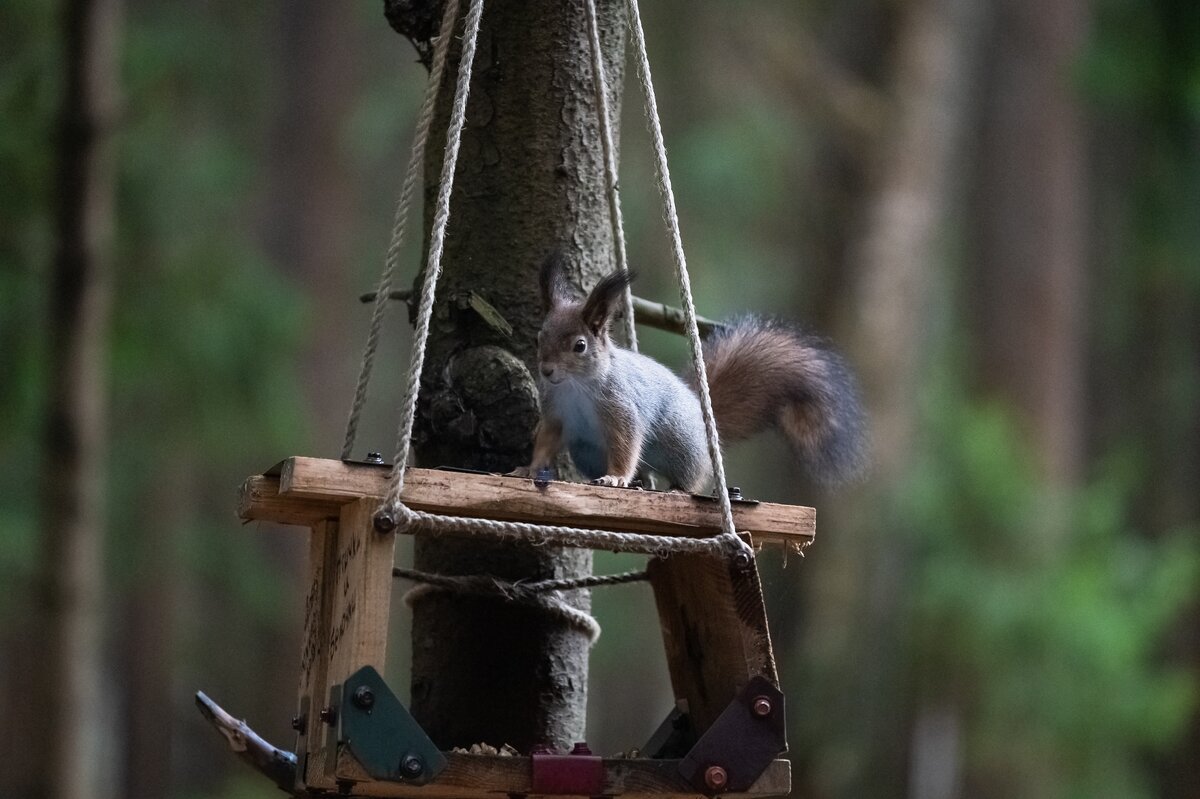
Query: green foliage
(1043, 616)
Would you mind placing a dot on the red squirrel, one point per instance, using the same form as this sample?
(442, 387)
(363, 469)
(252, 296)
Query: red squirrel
(618, 411)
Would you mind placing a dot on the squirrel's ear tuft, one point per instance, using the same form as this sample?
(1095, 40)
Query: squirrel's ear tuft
(552, 284)
(602, 303)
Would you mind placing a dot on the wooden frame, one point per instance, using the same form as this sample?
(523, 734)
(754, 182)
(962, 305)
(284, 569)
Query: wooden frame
(712, 614)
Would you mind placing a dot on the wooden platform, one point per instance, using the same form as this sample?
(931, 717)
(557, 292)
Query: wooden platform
(710, 610)
(305, 491)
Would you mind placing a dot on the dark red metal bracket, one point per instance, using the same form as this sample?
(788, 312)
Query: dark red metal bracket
(748, 735)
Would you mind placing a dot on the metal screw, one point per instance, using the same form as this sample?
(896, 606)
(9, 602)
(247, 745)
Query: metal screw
(328, 715)
(742, 560)
(735, 493)
(581, 748)
(716, 778)
(374, 457)
(412, 766)
(384, 521)
(299, 723)
(364, 697)
(762, 706)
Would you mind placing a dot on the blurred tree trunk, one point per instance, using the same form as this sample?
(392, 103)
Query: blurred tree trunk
(147, 655)
(311, 195)
(530, 179)
(890, 339)
(1030, 216)
(73, 474)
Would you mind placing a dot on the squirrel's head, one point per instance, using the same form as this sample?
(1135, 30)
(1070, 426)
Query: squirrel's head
(574, 340)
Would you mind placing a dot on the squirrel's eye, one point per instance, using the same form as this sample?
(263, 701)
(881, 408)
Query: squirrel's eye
(580, 345)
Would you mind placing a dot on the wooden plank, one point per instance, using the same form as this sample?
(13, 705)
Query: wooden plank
(714, 626)
(259, 500)
(314, 481)
(314, 656)
(359, 582)
(489, 776)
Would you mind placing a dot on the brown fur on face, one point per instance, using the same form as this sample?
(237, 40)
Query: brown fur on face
(574, 340)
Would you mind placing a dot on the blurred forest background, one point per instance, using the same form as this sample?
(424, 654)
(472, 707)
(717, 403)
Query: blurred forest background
(992, 208)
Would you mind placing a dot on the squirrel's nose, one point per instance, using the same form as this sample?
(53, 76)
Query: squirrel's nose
(547, 371)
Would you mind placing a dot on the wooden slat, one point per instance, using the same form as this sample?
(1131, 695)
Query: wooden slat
(359, 582)
(488, 777)
(259, 500)
(314, 656)
(314, 482)
(714, 628)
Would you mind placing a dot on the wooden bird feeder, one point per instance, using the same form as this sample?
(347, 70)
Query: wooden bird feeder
(724, 737)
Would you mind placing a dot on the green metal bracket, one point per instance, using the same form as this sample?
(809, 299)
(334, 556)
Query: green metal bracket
(380, 733)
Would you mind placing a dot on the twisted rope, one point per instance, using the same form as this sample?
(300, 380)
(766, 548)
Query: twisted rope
(724, 544)
(394, 514)
(671, 216)
(531, 593)
(521, 589)
(433, 269)
(600, 84)
(400, 221)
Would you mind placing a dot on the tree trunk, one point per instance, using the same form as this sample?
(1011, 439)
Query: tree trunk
(530, 179)
(1031, 213)
(73, 475)
(890, 341)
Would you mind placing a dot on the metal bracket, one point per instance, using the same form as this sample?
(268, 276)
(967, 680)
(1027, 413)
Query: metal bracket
(576, 773)
(379, 732)
(673, 738)
(741, 743)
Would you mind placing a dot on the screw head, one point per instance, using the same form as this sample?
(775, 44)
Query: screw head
(581, 748)
(762, 706)
(364, 697)
(735, 492)
(716, 778)
(299, 723)
(374, 457)
(328, 715)
(412, 766)
(742, 560)
(384, 521)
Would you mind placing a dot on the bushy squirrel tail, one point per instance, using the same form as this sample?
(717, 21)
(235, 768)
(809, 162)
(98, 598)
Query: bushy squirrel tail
(764, 373)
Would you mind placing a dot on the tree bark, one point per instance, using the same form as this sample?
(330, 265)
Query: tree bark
(530, 180)
(73, 474)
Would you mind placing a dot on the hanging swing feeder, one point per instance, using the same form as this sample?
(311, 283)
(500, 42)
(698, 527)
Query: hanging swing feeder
(353, 734)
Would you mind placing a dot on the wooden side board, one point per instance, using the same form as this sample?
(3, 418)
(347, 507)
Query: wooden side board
(714, 628)
(309, 489)
(492, 777)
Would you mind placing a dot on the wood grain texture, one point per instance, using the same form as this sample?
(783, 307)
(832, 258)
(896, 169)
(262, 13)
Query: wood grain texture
(259, 501)
(314, 656)
(714, 628)
(488, 777)
(316, 486)
(358, 582)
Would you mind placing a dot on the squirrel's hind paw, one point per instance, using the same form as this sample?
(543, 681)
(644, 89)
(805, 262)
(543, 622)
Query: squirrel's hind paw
(611, 480)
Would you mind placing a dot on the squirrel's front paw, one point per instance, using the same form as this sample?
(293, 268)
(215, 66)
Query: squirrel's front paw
(611, 480)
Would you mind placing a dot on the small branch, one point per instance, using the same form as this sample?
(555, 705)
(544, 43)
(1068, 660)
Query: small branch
(855, 110)
(650, 314)
(276, 764)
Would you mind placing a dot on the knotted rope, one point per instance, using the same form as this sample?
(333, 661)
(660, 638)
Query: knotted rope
(533, 593)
